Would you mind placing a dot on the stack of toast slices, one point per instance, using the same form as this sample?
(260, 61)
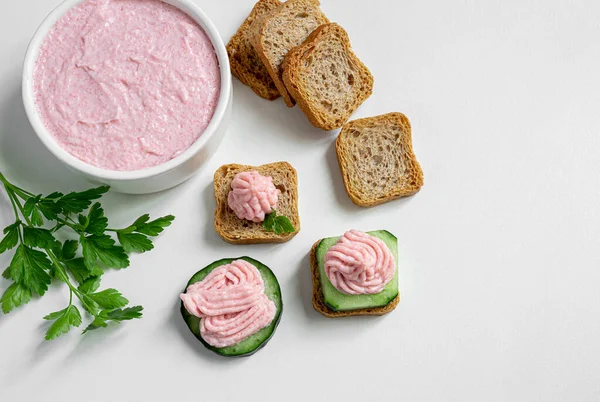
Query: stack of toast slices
(292, 50)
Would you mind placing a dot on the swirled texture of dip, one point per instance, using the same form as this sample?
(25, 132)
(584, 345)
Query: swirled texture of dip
(359, 264)
(231, 303)
(126, 84)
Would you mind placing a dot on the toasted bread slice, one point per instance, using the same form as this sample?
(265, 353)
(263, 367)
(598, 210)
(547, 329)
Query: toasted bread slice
(244, 61)
(274, 35)
(377, 159)
(321, 307)
(240, 231)
(326, 78)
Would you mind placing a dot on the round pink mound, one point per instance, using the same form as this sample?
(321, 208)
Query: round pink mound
(126, 84)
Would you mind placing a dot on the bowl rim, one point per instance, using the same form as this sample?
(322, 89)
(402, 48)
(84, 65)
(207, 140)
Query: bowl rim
(31, 56)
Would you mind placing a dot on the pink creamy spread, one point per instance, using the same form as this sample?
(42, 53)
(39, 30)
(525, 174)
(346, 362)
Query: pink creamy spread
(126, 84)
(359, 264)
(231, 303)
(252, 196)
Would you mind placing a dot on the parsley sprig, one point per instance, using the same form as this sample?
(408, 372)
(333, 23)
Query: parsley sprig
(278, 223)
(41, 256)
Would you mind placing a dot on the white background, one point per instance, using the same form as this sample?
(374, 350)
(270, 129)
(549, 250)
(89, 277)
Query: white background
(499, 252)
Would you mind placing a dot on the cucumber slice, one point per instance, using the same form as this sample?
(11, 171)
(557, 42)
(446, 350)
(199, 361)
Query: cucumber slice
(253, 343)
(338, 301)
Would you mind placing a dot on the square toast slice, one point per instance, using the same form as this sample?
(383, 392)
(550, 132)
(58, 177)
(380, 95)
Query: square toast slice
(240, 231)
(377, 160)
(326, 78)
(244, 61)
(321, 307)
(277, 32)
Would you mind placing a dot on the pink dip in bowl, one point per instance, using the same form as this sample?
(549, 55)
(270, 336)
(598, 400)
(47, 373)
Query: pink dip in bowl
(126, 84)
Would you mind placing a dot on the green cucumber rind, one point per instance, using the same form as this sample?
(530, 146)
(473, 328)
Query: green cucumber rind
(328, 290)
(193, 322)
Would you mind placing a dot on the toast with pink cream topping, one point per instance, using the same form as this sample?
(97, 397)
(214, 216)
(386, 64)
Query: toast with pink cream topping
(246, 194)
(355, 274)
(231, 304)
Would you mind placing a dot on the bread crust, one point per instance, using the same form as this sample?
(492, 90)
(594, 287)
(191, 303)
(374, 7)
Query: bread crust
(245, 63)
(321, 307)
(293, 67)
(239, 231)
(415, 181)
(258, 35)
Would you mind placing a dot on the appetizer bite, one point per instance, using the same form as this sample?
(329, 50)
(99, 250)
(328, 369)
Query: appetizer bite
(256, 204)
(355, 274)
(233, 306)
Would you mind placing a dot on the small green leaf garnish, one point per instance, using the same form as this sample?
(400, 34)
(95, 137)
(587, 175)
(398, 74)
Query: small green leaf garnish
(278, 223)
(63, 321)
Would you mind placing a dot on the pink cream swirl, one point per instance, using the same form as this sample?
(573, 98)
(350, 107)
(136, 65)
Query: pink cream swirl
(252, 196)
(231, 303)
(359, 264)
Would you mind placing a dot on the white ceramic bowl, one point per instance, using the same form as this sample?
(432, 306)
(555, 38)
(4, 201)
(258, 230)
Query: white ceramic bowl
(158, 177)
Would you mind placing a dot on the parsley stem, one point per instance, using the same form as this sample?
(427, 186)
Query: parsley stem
(11, 196)
(12, 201)
(65, 277)
(64, 222)
(19, 191)
(21, 209)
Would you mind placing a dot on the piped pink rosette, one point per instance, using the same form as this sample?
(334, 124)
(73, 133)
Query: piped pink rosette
(359, 264)
(252, 196)
(231, 303)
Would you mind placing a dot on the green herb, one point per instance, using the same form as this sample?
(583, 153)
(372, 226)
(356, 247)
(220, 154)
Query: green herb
(41, 256)
(278, 223)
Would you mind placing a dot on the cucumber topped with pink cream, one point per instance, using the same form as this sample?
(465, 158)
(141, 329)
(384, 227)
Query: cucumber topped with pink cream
(233, 306)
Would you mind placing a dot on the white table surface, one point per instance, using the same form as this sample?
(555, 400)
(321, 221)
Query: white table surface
(499, 252)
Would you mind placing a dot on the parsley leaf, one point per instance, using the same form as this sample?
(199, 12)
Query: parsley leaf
(125, 314)
(286, 224)
(11, 237)
(79, 271)
(14, 296)
(36, 237)
(103, 248)
(134, 242)
(29, 267)
(97, 323)
(69, 249)
(278, 223)
(31, 204)
(116, 315)
(90, 285)
(77, 202)
(153, 228)
(96, 221)
(37, 206)
(48, 207)
(63, 321)
(109, 299)
(269, 221)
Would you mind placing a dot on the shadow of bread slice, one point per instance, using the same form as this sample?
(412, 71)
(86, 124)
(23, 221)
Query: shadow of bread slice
(274, 35)
(377, 160)
(320, 305)
(240, 231)
(326, 78)
(244, 61)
